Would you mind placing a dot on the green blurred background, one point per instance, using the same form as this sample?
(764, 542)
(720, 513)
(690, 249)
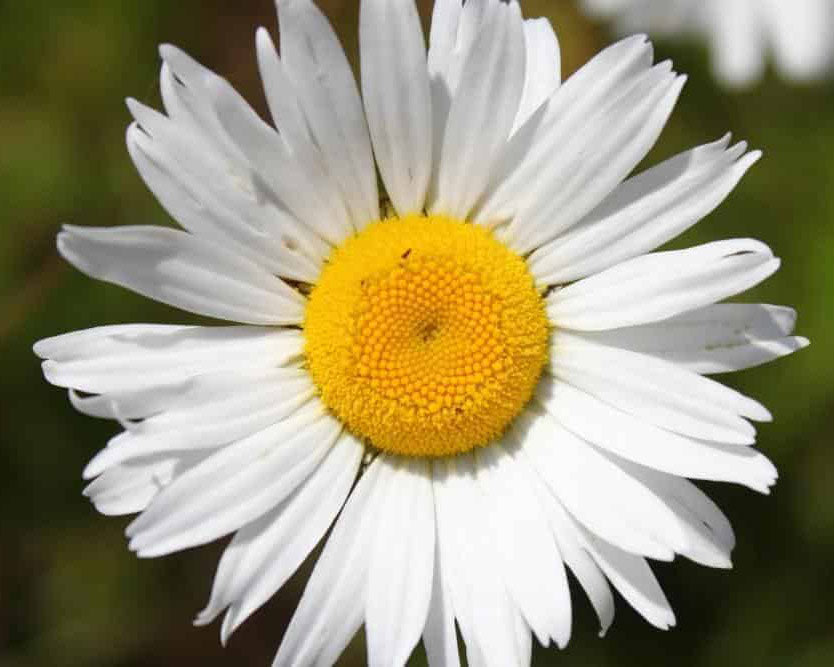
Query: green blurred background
(72, 594)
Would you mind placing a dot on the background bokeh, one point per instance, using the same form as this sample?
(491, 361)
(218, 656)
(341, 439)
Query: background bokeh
(72, 594)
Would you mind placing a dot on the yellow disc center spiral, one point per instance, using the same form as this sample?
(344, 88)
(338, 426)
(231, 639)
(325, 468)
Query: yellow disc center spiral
(425, 335)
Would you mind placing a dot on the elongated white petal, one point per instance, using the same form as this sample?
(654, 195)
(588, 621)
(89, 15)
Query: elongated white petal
(439, 635)
(133, 357)
(130, 488)
(282, 97)
(483, 110)
(692, 498)
(309, 189)
(528, 161)
(661, 285)
(184, 271)
(204, 180)
(532, 563)
(720, 338)
(246, 405)
(706, 544)
(443, 37)
(316, 64)
(332, 607)
(600, 494)
(395, 86)
(453, 30)
(656, 391)
(401, 563)
(543, 71)
(127, 405)
(571, 546)
(644, 212)
(637, 440)
(575, 182)
(236, 485)
(265, 553)
(633, 579)
(482, 605)
(305, 192)
(183, 196)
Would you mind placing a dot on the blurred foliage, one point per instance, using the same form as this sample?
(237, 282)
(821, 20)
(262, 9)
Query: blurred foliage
(71, 593)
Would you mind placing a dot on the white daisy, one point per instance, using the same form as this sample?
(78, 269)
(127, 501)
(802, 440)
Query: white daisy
(516, 383)
(800, 33)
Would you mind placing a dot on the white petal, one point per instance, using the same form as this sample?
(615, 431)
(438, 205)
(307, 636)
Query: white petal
(439, 635)
(644, 212)
(706, 544)
(395, 86)
(130, 488)
(299, 186)
(600, 494)
(483, 110)
(543, 71)
(401, 563)
(236, 485)
(532, 151)
(443, 37)
(311, 192)
(196, 148)
(320, 73)
(633, 579)
(634, 439)
(482, 605)
(657, 391)
(532, 563)
(127, 405)
(283, 100)
(332, 607)
(239, 407)
(629, 574)
(187, 200)
(454, 28)
(184, 271)
(264, 554)
(524, 640)
(571, 546)
(660, 285)
(132, 357)
(693, 499)
(576, 179)
(720, 338)
(203, 180)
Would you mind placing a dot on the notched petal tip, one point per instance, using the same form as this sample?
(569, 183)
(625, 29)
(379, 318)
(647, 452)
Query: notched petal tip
(51, 374)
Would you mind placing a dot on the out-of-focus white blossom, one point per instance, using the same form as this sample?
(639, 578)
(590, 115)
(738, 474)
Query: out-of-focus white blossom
(743, 34)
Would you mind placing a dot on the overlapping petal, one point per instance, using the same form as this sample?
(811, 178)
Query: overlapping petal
(395, 85)
(184, 271)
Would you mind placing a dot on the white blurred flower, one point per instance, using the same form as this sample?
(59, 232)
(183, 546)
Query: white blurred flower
(500, 381)
(742, 34)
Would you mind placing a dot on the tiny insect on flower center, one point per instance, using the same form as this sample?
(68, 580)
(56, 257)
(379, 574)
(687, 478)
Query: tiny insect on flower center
(425, 335)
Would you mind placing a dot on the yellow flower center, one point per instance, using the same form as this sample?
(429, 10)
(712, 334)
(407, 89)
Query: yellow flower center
(425, 335)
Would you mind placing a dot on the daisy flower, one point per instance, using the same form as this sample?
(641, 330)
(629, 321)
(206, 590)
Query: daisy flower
(800, 33)
(481, 383)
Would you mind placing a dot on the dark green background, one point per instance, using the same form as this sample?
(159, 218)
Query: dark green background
(72, 594)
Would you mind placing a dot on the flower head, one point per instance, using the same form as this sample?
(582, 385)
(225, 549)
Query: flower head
(517, 381)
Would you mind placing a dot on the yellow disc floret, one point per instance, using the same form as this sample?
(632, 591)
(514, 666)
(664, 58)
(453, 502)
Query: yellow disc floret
(425, 335)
